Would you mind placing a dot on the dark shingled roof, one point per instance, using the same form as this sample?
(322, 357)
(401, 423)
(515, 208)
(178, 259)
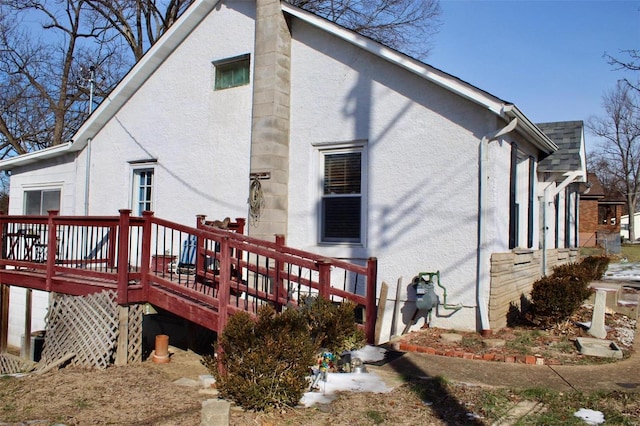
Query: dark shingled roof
(568, 136)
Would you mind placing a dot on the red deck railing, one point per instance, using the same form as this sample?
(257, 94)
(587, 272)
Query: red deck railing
(202, 274)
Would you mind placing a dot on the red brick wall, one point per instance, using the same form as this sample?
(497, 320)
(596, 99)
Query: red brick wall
(588, 216)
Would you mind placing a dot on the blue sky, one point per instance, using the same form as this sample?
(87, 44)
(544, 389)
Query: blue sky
(544, 56)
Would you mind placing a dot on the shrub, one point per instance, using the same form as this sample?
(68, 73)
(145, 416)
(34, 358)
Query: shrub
(576, 271)
(556, 297)
(265, 361)
(596, 266)
(332, 326)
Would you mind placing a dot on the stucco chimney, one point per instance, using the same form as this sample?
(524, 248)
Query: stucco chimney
(270, 119)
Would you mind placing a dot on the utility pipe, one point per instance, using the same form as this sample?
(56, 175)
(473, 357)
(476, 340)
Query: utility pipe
(483, 278)
(86, 179)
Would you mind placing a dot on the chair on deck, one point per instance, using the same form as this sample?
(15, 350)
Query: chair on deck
(187, 262)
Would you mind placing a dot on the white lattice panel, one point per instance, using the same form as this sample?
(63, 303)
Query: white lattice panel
(88, 327)
(11, 364)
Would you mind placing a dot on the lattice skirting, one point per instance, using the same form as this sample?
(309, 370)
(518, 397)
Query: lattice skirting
(11, 364)
(87, 326)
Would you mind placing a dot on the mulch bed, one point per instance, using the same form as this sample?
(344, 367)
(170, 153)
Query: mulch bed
(525, 344)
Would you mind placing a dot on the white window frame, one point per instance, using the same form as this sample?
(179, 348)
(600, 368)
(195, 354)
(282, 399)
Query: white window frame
(135, 190)
(42, 189)
(340, 148)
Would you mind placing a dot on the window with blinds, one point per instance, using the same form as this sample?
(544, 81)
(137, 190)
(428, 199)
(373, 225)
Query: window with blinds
(342, 197)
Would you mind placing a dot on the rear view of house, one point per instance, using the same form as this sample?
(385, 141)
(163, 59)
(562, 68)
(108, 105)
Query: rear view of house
(349, 149)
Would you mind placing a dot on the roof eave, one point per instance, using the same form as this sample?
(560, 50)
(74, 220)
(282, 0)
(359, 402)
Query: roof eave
(527, 128)
(35, 156)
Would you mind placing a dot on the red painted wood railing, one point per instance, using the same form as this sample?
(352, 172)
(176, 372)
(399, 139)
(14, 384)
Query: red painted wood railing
(202, 274)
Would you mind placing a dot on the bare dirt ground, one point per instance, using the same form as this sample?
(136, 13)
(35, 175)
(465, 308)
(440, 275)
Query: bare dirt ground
(147, 394)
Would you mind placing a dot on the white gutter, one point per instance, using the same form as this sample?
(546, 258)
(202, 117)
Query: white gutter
(484, 279)
(549, 193)
(529, 129)
(32, 157)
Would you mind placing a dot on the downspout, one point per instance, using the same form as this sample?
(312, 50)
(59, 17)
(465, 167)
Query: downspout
(483, 249)
(86, 179)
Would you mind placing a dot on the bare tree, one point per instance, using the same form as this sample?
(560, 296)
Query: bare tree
(54, 52)
(139, 22)
(406, 25)
(619, 153)
(630, 62)
(47, 48)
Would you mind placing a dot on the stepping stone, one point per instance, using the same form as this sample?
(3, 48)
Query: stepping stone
(598, 347)
(494, 343)
(519, 412)
(451, 338)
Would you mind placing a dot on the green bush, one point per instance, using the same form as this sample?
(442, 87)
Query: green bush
(332, 326)
(558, 296)
(596, 266)
(265, 361)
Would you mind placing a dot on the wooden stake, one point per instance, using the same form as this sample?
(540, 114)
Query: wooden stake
(381, 305)
(396, 308)
(56, 363)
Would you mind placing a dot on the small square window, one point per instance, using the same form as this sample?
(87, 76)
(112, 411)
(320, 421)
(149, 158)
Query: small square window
(232, 72)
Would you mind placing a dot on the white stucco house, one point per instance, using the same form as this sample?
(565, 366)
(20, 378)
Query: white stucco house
(360, 151)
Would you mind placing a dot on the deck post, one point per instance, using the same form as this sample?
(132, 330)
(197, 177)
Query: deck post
(4, 297)
(224, 287)
(146, 252)
(200, 248)
(371, 312)
(324, 278)
(123, 256)
(52, 248)
(279, 271)
(122, 349)
(4, 317)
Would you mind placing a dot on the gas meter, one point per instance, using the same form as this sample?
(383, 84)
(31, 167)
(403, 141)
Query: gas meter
(426, 297)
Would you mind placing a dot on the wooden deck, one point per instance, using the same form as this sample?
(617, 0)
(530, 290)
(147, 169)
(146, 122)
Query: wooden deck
(200, 273)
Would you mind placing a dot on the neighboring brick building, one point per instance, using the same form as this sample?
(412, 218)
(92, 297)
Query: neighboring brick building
(599, 216)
